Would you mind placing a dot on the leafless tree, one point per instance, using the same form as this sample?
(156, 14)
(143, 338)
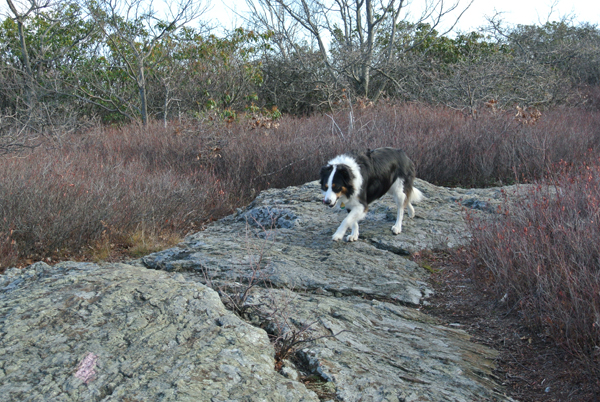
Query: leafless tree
(134, 29)
(358, 40)
(20, 11)
(20, 69)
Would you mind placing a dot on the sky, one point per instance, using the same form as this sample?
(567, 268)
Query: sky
(223, 12)
(514, 12)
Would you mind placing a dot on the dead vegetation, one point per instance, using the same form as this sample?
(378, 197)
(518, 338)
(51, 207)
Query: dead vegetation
(108, 191)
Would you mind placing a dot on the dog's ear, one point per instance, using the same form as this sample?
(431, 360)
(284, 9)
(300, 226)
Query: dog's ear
(346, 175)
(325, 172)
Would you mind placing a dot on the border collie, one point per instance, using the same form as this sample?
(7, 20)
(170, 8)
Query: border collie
(357, 179)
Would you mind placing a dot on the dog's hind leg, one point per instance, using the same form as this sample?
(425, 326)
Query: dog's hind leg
(415, 196)
(397, 191)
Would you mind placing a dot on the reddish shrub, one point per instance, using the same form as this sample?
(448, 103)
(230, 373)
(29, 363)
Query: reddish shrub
(59, 202)
(107, 182)
(543, 253)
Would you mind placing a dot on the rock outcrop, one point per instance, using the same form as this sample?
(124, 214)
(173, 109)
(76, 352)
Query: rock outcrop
(84, 332)
(155, 330)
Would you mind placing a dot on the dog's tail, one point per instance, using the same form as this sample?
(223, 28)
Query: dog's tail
(415, 196)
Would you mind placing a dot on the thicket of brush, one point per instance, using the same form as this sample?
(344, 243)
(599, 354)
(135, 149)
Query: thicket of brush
(542, 255)
(111, 188)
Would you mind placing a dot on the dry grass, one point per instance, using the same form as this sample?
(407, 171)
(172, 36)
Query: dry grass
(91, 193)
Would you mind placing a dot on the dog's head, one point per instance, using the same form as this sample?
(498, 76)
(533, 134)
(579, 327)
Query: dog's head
(336, 181)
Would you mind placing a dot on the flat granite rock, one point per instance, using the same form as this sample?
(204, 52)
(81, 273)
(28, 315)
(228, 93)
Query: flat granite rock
(379, 351)
(229, 255)
(84, 332)
(366, 293)
(286, 234)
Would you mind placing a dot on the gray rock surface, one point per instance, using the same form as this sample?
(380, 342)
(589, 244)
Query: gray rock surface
(385, 352)
(81, 331)
(285, 234)
(367, 292)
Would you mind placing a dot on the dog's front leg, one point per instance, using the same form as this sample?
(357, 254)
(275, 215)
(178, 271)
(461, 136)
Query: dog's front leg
(351, 220)
(353, 236)
(339, 233)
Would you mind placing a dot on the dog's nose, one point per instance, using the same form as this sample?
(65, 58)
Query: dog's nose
(329, 202)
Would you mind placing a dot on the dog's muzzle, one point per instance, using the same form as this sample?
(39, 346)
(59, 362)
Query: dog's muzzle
(329, 202)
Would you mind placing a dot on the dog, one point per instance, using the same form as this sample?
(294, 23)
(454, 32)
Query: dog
(357, 179)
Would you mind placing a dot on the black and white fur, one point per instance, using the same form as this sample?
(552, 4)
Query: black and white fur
(358, 179)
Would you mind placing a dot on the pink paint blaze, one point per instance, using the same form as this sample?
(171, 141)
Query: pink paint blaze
(85, 371)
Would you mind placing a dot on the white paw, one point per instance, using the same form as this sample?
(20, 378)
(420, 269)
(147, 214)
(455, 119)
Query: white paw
(337, 237)
(396, 229)
(352, 237)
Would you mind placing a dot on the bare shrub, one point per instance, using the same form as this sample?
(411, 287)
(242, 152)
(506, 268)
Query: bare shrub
(60, 202)
(104, 185)
(448, 147)
(290, 336)
(236, 292)
(542, 255)
(288, 328)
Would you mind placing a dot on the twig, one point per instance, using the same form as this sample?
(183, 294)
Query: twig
(341, 134)
(277, 171)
